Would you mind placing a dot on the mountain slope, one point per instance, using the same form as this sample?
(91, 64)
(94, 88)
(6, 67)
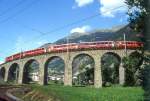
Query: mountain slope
(115, 33)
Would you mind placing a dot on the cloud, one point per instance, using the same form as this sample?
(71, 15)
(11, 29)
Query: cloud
(82, 29)
(108, 8)
(81, 3)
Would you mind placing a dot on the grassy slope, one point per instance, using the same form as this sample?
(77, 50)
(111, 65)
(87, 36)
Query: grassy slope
(92, 94)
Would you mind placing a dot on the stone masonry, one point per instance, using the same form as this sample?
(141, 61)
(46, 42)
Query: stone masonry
(68, 59)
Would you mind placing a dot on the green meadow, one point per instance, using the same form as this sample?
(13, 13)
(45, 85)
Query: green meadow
(64, 93)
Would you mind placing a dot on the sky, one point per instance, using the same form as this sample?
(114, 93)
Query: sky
(28, 24)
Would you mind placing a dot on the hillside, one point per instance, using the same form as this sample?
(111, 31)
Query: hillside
(114, 33)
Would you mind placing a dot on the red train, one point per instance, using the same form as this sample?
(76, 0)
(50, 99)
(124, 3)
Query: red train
(77, 46)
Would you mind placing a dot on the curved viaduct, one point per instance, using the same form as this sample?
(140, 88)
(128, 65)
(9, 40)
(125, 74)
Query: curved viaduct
(68, 58)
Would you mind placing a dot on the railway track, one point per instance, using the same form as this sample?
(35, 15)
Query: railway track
(5, 96)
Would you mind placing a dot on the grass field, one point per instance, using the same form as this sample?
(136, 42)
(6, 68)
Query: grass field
(91, 94)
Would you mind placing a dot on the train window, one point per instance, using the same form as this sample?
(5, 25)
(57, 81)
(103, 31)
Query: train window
(61, 46)
(74, 44)
(55, 46)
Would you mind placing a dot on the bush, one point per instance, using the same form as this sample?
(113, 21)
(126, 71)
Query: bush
(146, 81)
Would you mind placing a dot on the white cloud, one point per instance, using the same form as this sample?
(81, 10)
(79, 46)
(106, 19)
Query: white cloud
(81, 3)
(82, 29)
(108, 8)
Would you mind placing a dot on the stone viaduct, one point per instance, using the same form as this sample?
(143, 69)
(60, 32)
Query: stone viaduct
(68, 58)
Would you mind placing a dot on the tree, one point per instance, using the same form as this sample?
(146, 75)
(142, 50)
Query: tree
(110, 69)
(146, 78)
(133, 69)
(139, 18)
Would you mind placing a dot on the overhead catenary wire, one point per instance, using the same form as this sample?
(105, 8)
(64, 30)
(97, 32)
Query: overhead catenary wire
(20, 11)
(12, 7)
(61, 27)
(28, 27)
(54, 30)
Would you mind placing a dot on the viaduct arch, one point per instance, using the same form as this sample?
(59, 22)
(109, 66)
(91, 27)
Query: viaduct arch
(46, 66)
(28, 68)
(2, 73)
(83, 68)
(68, 58)
(110, 63)
(13, 73)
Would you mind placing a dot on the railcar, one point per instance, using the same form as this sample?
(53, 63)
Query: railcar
(97, 45)
(17, 56)
(63, 47)
(8, 59)
(25, 54)
(13, 57)
(129, 44)
(57, 48)
(77, 46)
(34, 52)
(86, 45)
(119, 44)
(73, 46)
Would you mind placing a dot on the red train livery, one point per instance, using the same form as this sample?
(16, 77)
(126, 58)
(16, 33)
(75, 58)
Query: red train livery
(77, 46)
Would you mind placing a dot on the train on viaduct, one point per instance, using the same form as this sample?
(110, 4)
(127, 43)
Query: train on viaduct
(68, 52)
